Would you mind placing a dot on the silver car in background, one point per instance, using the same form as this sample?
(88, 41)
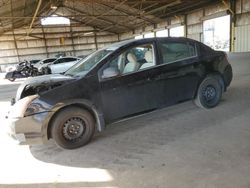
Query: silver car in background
(44, 62)
(60, 65)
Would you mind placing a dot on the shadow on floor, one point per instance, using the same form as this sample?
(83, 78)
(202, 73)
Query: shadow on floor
(127, 143)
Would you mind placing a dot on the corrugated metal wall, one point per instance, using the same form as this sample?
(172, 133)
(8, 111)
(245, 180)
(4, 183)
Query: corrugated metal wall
(194, 24)
(242, 29)
(242, 38)
(50, 41)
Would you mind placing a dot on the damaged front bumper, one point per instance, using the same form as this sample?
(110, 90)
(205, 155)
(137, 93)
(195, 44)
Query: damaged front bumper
(28, 130)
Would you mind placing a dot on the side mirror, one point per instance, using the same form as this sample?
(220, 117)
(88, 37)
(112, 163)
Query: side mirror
(110, 72)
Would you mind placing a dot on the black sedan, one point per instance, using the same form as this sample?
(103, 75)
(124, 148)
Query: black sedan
(119, 81)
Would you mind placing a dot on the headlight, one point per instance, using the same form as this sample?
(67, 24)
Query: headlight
(19, 108)
(34, 108)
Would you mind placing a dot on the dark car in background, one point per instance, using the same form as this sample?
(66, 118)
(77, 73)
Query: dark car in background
(119, 81)
(23, 70)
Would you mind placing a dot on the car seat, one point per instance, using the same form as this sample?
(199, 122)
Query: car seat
(132, 65)
(149, 59)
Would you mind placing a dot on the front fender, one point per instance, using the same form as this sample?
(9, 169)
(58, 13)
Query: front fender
(88, 105)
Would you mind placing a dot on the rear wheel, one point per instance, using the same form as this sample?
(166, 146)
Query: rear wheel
(209, 92)
(73, 127)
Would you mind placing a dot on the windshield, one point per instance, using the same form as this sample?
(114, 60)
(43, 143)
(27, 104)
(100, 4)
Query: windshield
(81, 68)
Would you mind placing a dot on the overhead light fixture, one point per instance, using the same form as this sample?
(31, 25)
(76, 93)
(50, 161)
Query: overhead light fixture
(55, 20)
(88, 33)
(53, 7)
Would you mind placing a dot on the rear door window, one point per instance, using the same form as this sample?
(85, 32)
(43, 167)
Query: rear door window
(175, 51)
(69, 59)
(49, 60)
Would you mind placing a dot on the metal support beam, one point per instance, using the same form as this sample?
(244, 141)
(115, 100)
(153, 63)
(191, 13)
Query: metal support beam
(96, 45)
(129, 13)
(45, 43)
(228, 6)
(185, 26)
(121, 3)
(188, 8)
(13, 32)
(34, 16)
(164, 7)
(72, 41)
(100, 18)
(232, 25)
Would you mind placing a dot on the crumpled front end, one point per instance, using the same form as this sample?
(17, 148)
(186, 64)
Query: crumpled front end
(41, 84)
(26, 119)
(27, 130)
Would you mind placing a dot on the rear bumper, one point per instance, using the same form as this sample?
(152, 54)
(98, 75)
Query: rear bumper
(28, 130)
(228, 75)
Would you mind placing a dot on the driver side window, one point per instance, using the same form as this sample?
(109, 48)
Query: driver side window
(132, 60)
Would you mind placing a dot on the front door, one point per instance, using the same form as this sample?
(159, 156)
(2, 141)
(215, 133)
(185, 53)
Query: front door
(124, 81)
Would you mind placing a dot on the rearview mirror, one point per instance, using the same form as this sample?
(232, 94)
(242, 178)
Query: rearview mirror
(110, 72)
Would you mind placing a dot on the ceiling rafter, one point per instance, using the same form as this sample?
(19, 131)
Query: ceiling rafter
(114, 16)
(34, 16)
(98, 18)
(96, 28)
(187, 8)
(137, 15)
(105, 13)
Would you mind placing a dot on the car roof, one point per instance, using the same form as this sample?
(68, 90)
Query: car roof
(52, 58)
(67, 57)
(118, 45)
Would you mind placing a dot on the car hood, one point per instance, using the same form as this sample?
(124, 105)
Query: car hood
(45, 80)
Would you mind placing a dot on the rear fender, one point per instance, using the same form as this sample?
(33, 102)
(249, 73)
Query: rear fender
(224, 69)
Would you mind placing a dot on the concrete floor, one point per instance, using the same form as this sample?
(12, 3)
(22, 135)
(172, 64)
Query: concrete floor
(178, 147)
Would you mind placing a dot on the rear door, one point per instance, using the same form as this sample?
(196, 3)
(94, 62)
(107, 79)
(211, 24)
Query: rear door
(180, 70)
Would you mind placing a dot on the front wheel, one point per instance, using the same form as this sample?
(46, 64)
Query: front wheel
(12, 79)
(72, 128)
(209, 92)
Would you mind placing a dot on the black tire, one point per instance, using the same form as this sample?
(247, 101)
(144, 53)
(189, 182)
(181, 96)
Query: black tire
(12, 79)
(209, 92)
(73, 127)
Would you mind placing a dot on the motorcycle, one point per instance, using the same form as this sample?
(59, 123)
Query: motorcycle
(24, 69)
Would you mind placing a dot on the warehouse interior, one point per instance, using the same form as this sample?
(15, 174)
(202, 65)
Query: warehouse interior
(95, 24)
(180, 146)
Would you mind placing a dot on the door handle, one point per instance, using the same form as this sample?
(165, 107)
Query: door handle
(137, 82)
(166, 76)
(173, 75)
